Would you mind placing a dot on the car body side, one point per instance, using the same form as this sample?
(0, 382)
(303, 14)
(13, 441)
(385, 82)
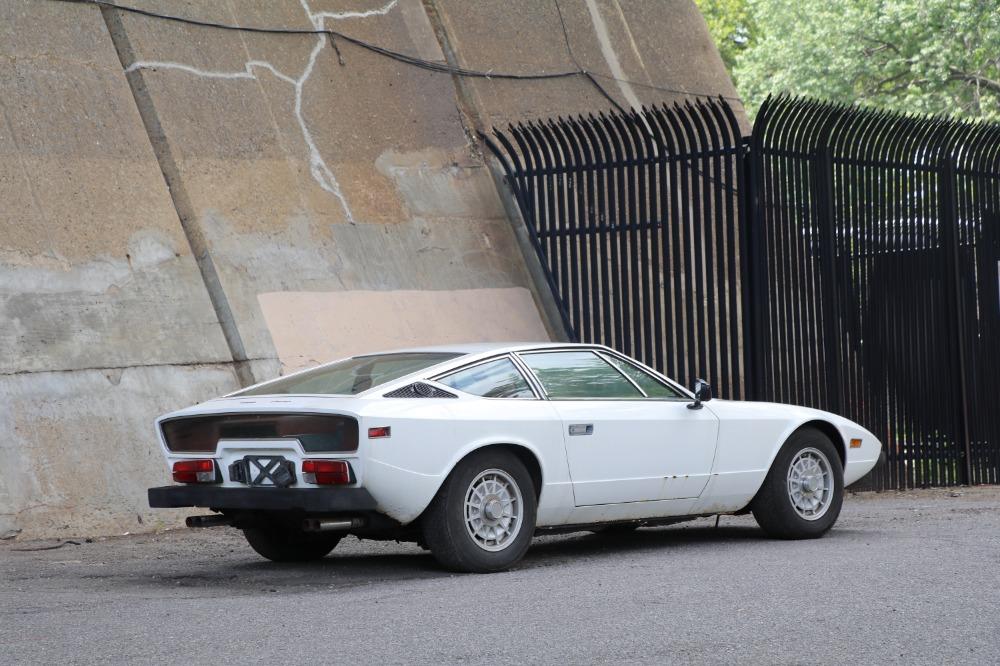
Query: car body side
(429, 436)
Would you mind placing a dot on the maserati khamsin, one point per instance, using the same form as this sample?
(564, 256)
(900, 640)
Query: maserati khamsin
(471, 450)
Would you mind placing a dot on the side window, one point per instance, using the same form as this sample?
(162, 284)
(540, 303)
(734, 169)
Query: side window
(578, 374)
(495, 379)
(652, 386)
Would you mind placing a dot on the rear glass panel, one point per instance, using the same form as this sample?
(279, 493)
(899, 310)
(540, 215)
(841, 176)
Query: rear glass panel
(351, 376)
(568, 375)
(317, 433)
(494, 379)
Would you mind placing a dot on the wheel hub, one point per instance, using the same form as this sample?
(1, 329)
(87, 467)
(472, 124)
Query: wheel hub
(493, 508)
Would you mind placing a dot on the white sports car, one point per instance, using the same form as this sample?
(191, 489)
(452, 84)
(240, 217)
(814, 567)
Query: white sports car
(470, 450)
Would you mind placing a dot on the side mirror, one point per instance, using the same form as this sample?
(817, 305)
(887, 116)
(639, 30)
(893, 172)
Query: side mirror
(702, 393)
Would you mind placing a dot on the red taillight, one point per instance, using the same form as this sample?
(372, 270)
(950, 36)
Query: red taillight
(376, 433)
(195, 471)
(326, 472)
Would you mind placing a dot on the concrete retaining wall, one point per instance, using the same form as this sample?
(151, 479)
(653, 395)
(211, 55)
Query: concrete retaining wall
(184, 210)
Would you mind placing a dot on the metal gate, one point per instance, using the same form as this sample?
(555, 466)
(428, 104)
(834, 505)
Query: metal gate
(841, 258)
(874, 270)
(636, 219)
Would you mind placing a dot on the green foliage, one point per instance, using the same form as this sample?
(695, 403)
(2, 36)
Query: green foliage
(923, 56)
(732, 26)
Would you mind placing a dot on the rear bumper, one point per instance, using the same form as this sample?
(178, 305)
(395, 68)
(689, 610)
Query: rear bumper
(318, 500)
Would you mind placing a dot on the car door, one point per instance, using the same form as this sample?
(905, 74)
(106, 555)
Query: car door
(624, 443)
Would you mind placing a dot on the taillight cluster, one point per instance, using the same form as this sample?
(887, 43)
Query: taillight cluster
(196, 471)
(326, 472)
(319, 472)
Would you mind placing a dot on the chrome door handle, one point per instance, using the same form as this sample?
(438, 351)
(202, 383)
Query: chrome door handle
(581, 429)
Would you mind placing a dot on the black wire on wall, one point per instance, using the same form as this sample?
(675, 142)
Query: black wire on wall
(405, 58)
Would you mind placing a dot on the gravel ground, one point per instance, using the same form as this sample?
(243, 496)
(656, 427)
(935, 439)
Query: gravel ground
(904, 577)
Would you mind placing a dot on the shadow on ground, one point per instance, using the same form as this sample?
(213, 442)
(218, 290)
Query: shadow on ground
(367, 562)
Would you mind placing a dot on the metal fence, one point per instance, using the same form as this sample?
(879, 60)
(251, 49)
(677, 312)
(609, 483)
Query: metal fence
(636, 219)
(862, 247)
(874, 280)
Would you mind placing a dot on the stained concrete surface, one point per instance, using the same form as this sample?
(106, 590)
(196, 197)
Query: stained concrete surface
(158, 178)
(903, 578)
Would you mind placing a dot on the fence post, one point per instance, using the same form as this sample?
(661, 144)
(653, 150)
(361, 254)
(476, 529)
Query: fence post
(833, 362)
(949, 236)
(753, 272)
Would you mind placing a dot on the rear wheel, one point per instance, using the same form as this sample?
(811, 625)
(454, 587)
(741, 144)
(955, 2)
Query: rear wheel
(280, 544)
(483, 517)
(804, 489)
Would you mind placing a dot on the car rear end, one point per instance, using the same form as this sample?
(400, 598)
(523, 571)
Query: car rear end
(259, 460)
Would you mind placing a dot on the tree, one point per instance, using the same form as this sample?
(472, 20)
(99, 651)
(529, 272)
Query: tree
(923, 56)
(732, 26)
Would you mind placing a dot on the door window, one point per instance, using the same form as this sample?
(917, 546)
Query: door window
(570, 375)
(649, 384)
(494, 379)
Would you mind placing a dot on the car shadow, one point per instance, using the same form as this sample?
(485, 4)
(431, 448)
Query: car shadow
(251, 575)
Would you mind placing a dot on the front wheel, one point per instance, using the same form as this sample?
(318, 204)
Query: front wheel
(483, 517)
(804, 489)
(290, 545)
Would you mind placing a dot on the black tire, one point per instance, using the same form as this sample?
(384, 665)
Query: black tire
(290, 545)
(444, 524)
(773, 507)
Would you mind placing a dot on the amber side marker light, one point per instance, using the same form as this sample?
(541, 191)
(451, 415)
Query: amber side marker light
(855, 443)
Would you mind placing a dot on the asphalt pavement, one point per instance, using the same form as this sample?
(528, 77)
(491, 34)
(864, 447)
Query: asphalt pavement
(903, 577)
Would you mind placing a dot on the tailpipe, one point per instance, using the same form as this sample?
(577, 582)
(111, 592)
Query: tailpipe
(331, 525)
(216, 520)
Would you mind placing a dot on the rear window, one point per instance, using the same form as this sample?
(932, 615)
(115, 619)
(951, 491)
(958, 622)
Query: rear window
(493, 379)
(351, 376)
(317, 433)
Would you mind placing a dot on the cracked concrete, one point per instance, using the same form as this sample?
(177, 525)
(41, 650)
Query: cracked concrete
(162, 185)
(317, 165)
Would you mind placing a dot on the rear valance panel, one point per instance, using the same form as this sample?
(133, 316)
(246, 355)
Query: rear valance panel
(317, 433)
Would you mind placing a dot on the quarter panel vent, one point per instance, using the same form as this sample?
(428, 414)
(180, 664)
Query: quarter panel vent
(419, 390)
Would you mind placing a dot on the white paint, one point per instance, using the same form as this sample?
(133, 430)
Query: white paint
(635, 446)
(248, 72)
(318, 167)
(604, 39)
(381, 11)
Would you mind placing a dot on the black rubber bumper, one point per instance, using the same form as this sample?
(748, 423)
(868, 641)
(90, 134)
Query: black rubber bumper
(312, 500)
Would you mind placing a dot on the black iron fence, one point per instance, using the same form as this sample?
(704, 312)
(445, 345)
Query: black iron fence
(874, 269)
(841, 258)
(636, 219)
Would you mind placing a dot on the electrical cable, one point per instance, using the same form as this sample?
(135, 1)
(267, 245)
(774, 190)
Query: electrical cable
(572, 56)
(414, 60)
(405, 58)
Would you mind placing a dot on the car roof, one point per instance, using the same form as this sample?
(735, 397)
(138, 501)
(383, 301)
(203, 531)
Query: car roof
(467, 348)
(465, 353)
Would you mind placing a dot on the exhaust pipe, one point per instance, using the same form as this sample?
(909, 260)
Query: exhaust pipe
(325, 525)
(217, 520)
